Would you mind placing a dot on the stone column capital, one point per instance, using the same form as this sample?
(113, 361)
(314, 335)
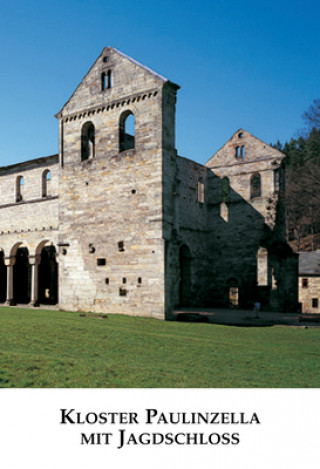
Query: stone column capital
(34, 259)
(9, 261)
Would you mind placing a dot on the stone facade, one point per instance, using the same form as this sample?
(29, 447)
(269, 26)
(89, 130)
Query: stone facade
(119, 223)
(309, 282)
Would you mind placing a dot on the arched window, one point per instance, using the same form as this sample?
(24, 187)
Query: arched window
(126, 131)
(87, 141)
(19, 188)
(238, 152)
(243, 151)
(46, 178)
(225, 186)
(255, 186)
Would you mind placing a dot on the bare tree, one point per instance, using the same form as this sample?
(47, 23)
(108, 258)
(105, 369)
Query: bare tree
(312, 115)
(303, 207)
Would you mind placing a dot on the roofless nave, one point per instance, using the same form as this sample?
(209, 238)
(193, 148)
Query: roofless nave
(119, 223)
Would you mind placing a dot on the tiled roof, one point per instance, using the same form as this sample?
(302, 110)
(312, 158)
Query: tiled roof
(309, 263)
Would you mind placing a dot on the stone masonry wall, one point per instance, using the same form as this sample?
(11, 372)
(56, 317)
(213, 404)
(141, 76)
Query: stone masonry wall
(186, 229)
(308, 293)
(35, 217)
(114, 197)
(245, 224)
(140, 230)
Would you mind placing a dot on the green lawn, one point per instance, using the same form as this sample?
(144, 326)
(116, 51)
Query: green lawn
(59, 349)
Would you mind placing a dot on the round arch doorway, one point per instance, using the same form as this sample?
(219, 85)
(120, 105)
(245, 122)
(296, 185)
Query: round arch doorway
(22, 277)
(48, 276)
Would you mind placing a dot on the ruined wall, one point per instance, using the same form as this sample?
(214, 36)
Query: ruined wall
(228, 249)
(249, 220)
(137, 229)
(114, 197)
(186, 233)
(35, 216)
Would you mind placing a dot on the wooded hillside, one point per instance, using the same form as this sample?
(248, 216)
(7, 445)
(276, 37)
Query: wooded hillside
(303, 183)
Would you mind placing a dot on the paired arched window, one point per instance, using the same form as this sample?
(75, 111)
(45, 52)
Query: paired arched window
(126, 135)
(106, 82)
(240, 152)
(126, 131)
(19, 188)
(255, 186)
(45, 183)
(87, 141)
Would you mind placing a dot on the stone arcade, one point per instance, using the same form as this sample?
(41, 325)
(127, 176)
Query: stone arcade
(119, 223)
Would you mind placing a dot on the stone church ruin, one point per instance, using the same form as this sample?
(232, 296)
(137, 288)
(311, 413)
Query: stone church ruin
(118, 222)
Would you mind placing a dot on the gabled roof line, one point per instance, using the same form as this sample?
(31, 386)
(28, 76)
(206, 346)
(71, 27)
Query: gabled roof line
(164, 79)
(238, 163)
(149, 70)
(280, 154)
(67, 102)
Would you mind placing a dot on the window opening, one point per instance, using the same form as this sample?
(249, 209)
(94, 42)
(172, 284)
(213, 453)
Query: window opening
(122, 292)
(255, 186)
(103, 81)
(304, 283)
(315, 302)
(139, 280)
(109, 82)
(127, 131)
(19, 187)
(276, 180)
(87, 141)
(107, 281)
(121, 246)
(124, 280)
(106, 82)
(233, 297)
(238, 152)
(243, 151)
(224, 212)
(46, 178)
(226, 190)
(262, 267)
(101, 262)
(201, 191)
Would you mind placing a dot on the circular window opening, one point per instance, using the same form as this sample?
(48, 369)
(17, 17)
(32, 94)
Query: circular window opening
(106, 59)
(240, 134)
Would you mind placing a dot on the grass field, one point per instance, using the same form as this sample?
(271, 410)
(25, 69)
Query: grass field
(59, 349)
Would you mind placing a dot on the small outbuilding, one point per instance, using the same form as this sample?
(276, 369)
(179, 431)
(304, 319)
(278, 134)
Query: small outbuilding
(309, 281)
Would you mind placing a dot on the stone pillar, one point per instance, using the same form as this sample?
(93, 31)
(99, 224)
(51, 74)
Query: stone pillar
(9, 262)
(34, 261)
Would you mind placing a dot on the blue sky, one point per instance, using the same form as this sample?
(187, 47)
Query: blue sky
(250, 64)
